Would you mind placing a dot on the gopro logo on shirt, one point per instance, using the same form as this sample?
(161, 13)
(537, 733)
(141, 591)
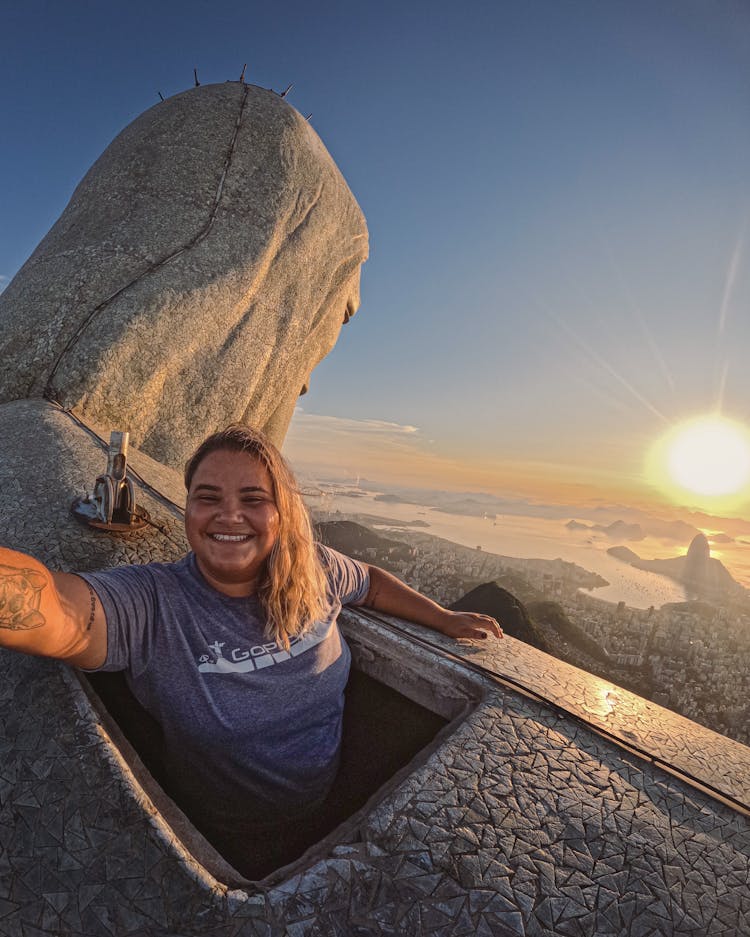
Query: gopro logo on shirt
(240, 660)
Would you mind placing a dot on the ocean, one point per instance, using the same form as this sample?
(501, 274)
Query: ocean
(532, 537)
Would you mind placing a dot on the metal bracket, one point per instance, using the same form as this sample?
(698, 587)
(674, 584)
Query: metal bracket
(111, 506)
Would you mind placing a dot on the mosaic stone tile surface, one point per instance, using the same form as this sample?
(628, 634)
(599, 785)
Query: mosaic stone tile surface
(706, 756)
(523, 822)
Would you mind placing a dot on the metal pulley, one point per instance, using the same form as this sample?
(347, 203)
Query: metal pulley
(111, 506)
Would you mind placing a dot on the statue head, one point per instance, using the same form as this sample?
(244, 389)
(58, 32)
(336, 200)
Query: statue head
(203, 267)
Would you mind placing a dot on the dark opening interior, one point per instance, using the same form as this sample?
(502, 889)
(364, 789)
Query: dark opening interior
(383, 730)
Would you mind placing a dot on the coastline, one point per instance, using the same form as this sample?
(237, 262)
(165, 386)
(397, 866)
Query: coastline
(515, 538)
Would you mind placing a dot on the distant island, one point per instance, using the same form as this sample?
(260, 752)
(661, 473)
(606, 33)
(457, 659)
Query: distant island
(618, 530)
(466, 507)
(648, 527)
(698, 571)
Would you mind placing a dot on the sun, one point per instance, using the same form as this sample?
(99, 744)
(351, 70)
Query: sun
(708, 456)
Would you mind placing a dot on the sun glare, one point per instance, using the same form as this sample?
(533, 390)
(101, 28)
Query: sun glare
(708, 457)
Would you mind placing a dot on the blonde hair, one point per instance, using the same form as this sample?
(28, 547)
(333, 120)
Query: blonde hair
(293, 591)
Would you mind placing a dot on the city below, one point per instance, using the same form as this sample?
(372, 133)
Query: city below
(691, 656)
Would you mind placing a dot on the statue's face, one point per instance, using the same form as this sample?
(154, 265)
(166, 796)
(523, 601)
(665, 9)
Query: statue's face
(180, 291)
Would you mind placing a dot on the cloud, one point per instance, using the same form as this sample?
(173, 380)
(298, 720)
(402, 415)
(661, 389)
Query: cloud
(348, 447)
(341, 447)
(329, 447)
(382, 451)
(334, 424)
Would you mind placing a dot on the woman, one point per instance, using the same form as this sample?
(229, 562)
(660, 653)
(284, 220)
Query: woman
(234, 649)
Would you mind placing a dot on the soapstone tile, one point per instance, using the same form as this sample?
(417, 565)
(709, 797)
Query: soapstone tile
(30, 930)
(254, 928)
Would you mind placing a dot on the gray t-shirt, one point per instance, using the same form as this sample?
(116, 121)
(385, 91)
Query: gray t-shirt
(249, 728)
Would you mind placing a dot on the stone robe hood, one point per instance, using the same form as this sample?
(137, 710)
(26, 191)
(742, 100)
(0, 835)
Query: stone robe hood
(201, 270)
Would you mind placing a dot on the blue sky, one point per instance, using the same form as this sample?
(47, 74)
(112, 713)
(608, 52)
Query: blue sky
(558, 198)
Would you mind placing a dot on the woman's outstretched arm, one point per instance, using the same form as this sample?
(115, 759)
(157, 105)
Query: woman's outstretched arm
(49, 614)
(388, 594)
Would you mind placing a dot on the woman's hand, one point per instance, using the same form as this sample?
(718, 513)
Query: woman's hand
(471, 625)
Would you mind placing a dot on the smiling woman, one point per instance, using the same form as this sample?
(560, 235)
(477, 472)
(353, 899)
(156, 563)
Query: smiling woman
(707, 457)
(234, 650)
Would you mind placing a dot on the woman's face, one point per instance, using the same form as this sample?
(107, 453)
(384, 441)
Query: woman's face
(231, 520)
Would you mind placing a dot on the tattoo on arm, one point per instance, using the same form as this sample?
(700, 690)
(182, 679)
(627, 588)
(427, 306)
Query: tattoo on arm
(20, 598)
(92, 598)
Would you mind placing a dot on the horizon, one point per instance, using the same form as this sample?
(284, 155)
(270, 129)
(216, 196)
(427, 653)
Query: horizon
(524, 530)
(316, 456)
(596, 513)
(558, 203)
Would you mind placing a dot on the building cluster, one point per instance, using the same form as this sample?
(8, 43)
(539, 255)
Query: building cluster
(446, 570)
(695, 657)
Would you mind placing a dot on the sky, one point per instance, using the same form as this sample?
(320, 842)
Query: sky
(558, 200)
